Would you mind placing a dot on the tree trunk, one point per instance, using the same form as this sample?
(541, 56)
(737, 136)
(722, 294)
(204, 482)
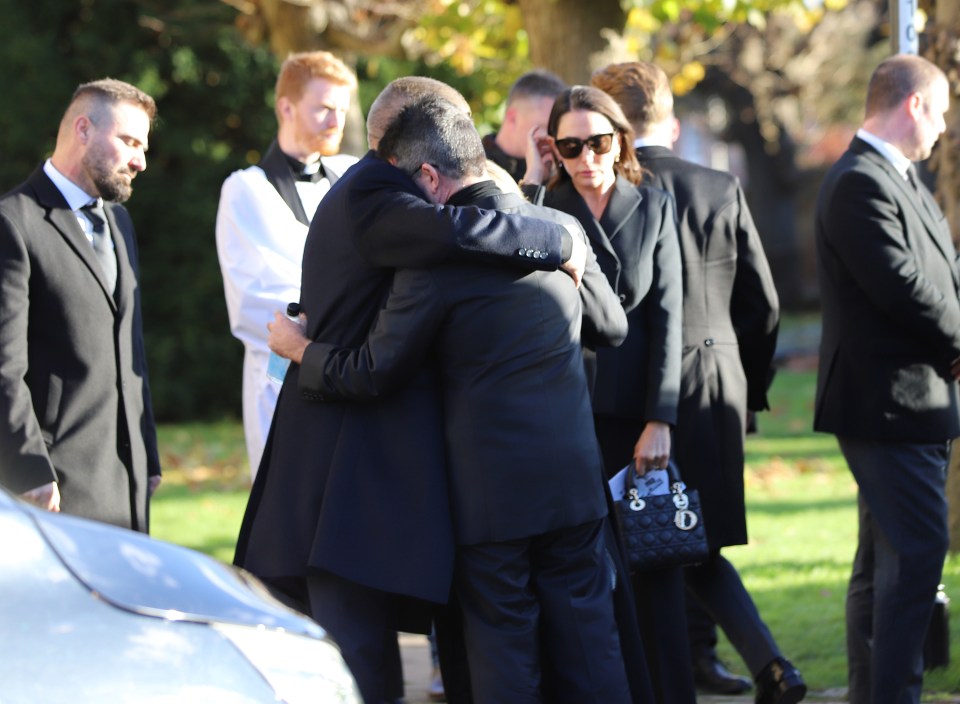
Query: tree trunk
(568, 37)
(943, 43)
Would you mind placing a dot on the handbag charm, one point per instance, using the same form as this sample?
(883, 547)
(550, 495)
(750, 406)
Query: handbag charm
(684, 519)
(636, 503)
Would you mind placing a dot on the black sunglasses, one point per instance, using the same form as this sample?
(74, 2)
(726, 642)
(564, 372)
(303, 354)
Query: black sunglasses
(571, 147)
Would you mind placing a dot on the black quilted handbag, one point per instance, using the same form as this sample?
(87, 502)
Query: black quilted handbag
(663, 530)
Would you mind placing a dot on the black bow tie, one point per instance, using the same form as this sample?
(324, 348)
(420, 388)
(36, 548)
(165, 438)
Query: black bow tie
(305, 172)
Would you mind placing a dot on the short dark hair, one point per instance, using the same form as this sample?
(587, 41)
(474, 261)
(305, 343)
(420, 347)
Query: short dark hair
(536, 84)
(436, 132)
(896, 78)
(108, 92)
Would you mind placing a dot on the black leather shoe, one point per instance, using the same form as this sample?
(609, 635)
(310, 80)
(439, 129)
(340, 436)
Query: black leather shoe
(710, 675)
(780, 683)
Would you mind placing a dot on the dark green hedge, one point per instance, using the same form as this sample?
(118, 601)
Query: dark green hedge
(213, 95)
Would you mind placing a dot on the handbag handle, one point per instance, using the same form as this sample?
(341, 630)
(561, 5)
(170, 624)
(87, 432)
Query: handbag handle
(685, 519)
(630, 478)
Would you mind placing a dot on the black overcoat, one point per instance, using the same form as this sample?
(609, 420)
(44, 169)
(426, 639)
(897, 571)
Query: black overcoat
(730, 320)
(75, 401)
(356, 489)
(636, 246)
(519, 434)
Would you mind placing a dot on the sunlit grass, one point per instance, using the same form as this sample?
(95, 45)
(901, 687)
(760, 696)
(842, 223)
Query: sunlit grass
(801, 506)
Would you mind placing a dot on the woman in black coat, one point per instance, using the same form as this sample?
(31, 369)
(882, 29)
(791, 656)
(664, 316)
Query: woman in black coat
(632, 229)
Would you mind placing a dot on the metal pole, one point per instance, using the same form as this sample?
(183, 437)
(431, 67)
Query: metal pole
(902, 18)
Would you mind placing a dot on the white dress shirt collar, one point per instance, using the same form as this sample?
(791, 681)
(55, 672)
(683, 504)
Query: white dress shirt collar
(75, 196)
(887, 150)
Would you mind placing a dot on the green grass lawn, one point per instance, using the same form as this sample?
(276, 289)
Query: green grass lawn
(801, 504)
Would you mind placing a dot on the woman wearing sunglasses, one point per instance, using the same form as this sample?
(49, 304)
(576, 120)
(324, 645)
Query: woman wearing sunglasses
(632, 229)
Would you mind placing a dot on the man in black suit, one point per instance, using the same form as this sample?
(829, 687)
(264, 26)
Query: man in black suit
(76, 424)
(349, 512)
(526, 479)
(730, 319)
(886, 385)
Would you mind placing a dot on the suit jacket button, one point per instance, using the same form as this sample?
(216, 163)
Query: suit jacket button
(522, 252)
(623, 297)
(708, 342)
(543, 255)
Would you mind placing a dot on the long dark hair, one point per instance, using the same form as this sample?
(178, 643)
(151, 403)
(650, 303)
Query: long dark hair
(595, 100)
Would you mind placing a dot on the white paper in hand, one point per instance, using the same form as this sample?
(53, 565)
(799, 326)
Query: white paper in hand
(653, 483)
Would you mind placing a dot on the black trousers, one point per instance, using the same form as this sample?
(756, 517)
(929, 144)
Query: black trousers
(717, 588)
(659, 595)
(903, 540)
(541, 603)
(362, 621)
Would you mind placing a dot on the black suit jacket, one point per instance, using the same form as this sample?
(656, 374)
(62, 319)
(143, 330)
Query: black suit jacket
(75, 401)
(636, 246)
(523, 457)
(730, 319)
(891, 317)
(360, 490)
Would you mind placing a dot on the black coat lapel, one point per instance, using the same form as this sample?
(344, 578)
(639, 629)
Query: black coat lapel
(624, 202)
(275, 166)
(927, 210)
(64, 221)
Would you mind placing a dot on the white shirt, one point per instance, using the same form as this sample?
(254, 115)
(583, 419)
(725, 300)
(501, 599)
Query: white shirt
(888, 151)
(75, 196)
(260, 248)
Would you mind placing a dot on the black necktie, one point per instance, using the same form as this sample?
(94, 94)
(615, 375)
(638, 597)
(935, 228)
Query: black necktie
(912, 178)
(102, 245)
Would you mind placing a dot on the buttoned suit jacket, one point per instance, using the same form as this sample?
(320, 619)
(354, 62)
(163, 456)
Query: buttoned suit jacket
(75, 398)
(360, 490)
(523, 457)
(730, 321)
(891, 316)
(636, 246)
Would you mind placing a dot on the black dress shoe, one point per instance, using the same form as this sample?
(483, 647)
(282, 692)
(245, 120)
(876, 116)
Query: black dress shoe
(710, 675)
(780, 683)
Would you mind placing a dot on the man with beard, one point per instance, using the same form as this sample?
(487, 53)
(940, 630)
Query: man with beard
(264, 214)
(76, 425)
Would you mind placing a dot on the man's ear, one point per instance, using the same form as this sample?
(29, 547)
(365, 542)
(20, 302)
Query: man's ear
(914, 104)
(430, 179)
(674, 130)
(82, 127)
(284, 107)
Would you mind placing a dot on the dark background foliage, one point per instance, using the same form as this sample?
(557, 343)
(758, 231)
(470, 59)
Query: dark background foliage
(213, 95)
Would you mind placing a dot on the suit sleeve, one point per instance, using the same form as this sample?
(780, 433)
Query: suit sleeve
(604, 320)
(867, 234)
(663, 310)
(397, 228)
(24, 461)
(754, 306)
(395, 347)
